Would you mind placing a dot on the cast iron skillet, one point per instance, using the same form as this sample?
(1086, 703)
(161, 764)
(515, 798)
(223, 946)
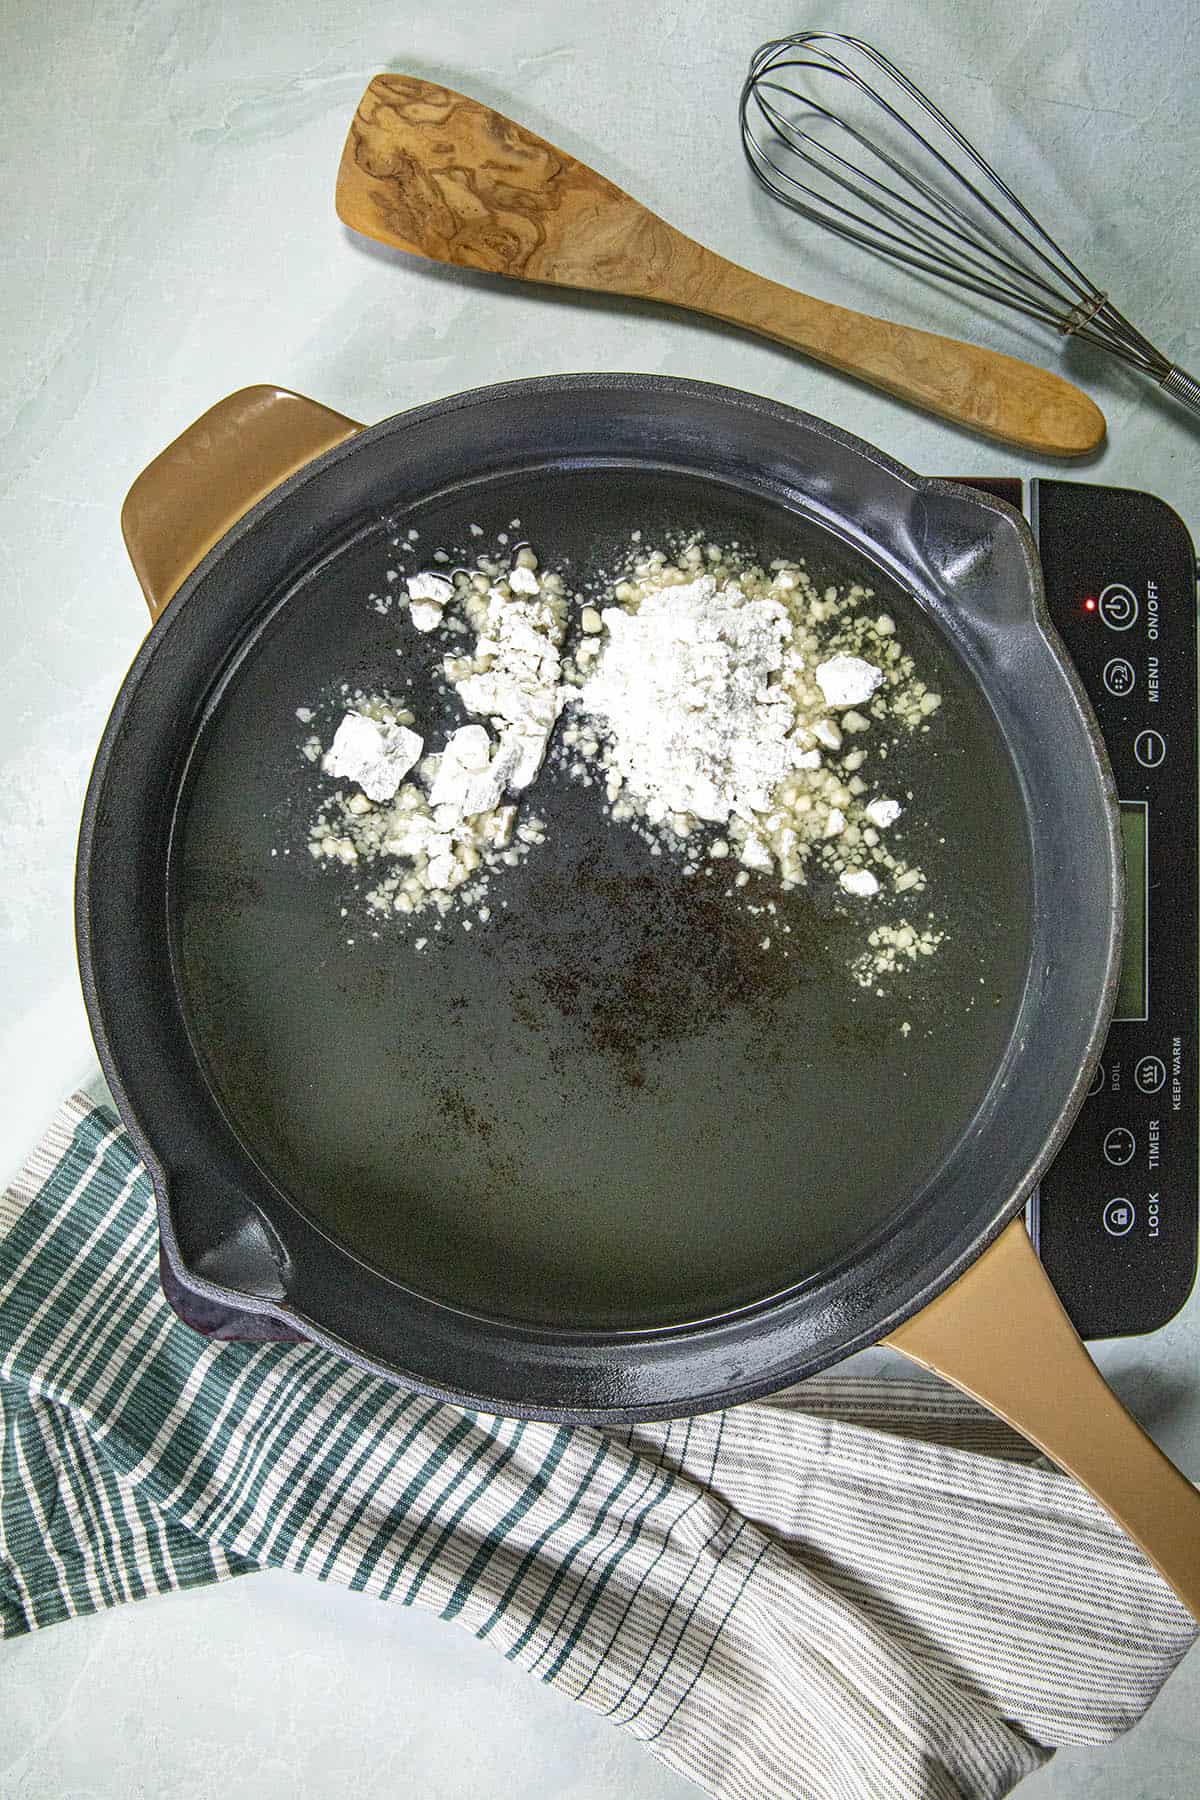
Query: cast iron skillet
(580, 1165)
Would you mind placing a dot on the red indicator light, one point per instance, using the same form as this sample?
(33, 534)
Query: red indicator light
(1089, 605)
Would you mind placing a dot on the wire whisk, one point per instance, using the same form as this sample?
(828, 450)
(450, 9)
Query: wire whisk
(904, 182)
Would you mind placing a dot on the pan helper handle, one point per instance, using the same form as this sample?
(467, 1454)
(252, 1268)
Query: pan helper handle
(202, 484)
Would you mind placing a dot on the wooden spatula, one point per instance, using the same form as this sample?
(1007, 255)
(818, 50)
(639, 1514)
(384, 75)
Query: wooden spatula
(432, 172)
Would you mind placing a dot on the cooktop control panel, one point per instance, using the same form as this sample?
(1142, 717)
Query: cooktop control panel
(1115, 1220)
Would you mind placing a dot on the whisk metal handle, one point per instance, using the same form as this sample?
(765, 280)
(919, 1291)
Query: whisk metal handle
(1183, 386)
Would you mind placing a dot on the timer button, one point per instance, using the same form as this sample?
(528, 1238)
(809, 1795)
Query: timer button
(1118, 606)
(1120, 676)
(1149, 747)
(1149, 1074)
(1119, 1147)
(1118, 1218)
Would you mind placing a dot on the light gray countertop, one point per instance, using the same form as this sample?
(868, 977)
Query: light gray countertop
(170, 237)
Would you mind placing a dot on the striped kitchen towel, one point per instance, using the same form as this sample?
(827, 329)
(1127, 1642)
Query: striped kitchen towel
(866, 1588)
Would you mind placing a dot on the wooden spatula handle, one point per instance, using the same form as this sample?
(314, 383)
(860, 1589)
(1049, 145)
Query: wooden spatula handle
(999, 396)
(440, 175)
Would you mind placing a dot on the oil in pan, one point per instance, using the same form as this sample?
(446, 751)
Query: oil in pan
(611, 1105)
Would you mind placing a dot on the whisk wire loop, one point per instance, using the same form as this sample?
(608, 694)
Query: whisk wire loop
(916, 190)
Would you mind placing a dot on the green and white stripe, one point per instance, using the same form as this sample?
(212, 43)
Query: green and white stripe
(867, 1588)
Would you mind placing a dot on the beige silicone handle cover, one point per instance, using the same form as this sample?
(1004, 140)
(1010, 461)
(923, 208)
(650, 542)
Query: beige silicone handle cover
(999, 1331)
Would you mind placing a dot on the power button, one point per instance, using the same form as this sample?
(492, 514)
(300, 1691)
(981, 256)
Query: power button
(1118, 606)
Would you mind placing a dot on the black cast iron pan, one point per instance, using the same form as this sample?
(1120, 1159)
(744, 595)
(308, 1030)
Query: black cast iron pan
(604, 1157)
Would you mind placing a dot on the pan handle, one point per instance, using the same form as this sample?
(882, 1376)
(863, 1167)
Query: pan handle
(198, 487)
(1000, 1333)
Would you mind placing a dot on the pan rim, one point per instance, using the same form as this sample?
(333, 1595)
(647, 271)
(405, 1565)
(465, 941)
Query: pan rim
(666, 387)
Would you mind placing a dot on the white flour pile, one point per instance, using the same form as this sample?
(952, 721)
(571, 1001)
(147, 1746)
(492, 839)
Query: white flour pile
(682, 691)
(730, 712)
(449, 828)
(746, 699)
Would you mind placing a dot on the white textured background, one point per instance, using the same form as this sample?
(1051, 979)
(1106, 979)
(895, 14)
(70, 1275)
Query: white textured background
(169, 236)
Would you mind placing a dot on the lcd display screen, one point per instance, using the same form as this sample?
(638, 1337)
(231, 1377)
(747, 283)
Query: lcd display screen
(1131, 994)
